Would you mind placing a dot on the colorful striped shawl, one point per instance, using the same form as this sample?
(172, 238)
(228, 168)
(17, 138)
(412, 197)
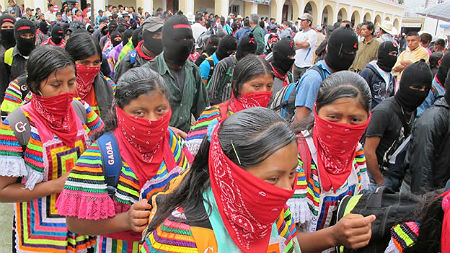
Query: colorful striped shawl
(38, 226)
(85, 195)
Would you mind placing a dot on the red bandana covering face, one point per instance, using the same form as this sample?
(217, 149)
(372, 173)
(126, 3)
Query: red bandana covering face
(57, 114)
(141, 53)
(250, 100)
(145, 142)
(85, 79)
(280, 76)
(248, 205)
(336, 147)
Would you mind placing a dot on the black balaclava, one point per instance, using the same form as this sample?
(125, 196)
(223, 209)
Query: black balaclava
(104, 30)
(443, 68)
(152, 44)
(89, 28)
(7, 35)
(136, 37)
(281, 52)
(112, 27)
(246, 46)
(25, 46)
(417, 74)
(447, 87)
(115, 35)
(342, 47)
(212, 44)
(385, 61)
(177, 40)
(43, 27)
(57, 34)
(226, 47)
(126, 36)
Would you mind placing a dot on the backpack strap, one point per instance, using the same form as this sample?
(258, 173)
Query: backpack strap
(20, 125)
(80, 110)
(305, 154)
(211, 68)
(112, 161)
(8, 57)
(320, 70)
(133, 56)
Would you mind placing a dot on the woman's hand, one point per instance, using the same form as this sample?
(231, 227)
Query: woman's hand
(138, 215)
(353, 231)
(178, 132)
(58, 184)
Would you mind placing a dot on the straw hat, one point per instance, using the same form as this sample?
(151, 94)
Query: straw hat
(388, 27)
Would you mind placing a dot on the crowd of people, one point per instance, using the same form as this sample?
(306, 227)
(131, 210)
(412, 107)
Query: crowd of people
(138, 132)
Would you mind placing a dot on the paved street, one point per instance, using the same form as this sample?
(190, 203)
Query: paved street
(6, 214)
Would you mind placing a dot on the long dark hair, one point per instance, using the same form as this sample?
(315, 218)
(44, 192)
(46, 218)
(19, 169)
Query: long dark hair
(131, 85)
(430, 217)
(342, 84)
(81, 46)
(254, 134)
(43, 61)
(246, 69)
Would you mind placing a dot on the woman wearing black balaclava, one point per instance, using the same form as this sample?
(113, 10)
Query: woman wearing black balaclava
(282, 60)
(7, 39)
(210, 48)
(392, 121)
(378, 73)
(438, 88)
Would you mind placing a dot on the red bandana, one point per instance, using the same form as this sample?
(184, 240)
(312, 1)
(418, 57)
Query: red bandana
(280, 76)
(250, 100)
(57, 114)
(145, 142)
(248, 205)
(336, 145)
(85, 79)
(445, 233)
(141, 53)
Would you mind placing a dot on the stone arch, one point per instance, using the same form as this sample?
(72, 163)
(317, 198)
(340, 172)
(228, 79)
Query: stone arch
(397, 24)
(327, 15)
(342, 15)
(367, 17)
(295, 9)
(378, 19)
(311, 8)
(355, 18)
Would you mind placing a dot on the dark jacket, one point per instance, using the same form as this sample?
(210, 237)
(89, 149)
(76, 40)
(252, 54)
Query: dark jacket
(125, 64)
(428, 157)
(377, 84)
(10, 72)
(103, 93)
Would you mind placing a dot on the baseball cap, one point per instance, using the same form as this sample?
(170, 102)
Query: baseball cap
(306, 16)
(29, 9)
(152, 24)
(12, 11)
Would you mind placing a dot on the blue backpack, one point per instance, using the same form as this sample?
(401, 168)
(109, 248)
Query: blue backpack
(284, 100)
(112, 161)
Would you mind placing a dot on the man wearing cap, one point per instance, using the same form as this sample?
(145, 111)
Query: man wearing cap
(146, 50)
(386, 32)
(13, 7)
(13, 61)
(245, 30)
(29, 14)
(367, 49)
(305, 40)
(187, 92)
(342, 47)
(7, 39)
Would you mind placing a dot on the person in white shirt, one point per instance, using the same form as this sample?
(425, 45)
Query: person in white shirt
(305, 41)
(198, 28)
